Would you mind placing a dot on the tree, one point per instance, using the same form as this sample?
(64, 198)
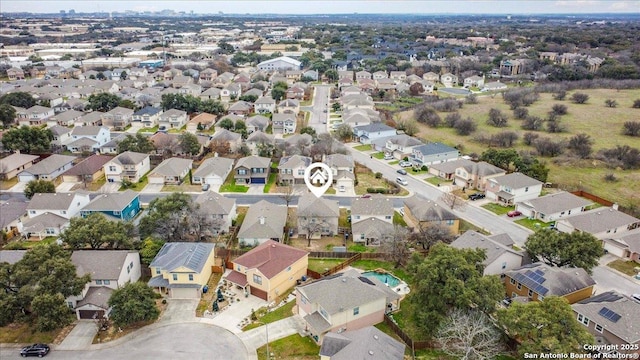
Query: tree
(332, 75)
(177, 218)
(581, 144)
(559, 109)
(504, 159)
(579, 98)
(504, 138)
(529, 138)
(335, 107)
(344, 132)
(451, 119)
(427, 236)
(103, 102)
(51, 311)
(132, 303)
(547, 326)
(631, 128)
(189, 143)
(7, 115)
(410, 127)
(553, 124)
(560, 95)
(465, 126)
(547, 147)
(428, 115)
(278, 93)
(469, 335)
(97, 232)
(211, 107)
(448, 279)
(396, 245)
(622, 155)
(38, 186)
(520, 113)
(611, 103)
(187, 103)
(43, 271)
(18, 99)
(28, 140)
(532, 123)
(149, 250)
(497, 118)
(136, 143)
(453, 201)
(416, 89)
(308, 130)
(577, 249)
(636, 104)
(226, 123)
(471, 99)
(126, 103)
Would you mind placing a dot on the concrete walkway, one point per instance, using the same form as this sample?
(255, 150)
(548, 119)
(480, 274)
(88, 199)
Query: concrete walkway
(80, 337)
(257, 337)
(231, 317)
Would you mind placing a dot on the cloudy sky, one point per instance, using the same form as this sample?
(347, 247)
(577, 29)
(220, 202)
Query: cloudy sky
(332, 7)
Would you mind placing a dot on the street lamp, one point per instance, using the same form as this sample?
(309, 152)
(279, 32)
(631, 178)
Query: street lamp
(266, 328)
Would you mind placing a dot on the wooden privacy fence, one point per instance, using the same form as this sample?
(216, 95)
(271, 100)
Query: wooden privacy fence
(592, 197)
(343, 264)
(415, 345)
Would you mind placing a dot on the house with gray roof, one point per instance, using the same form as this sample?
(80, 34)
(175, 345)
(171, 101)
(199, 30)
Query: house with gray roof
(264, 221)
(11, 165)
(399, 146)
(220, 209)
(258, 140)
(625, 245)
(12, 213)
(11, 256)
(418, 211)
(148, 116)
(117, 118)
(284, 123)
(264, 104)
(539, 280)
(499, 258)
(433, 153)
(613, 319)
(291, 169)
(47, 169)
(173, 119)
(129, 165)
(513, 188)
(366, 343)
(373, 131)
(66, 118)
(172, 171)
(118, 206)
(466, 173)
(41, 226)
(109, 271)
(257, 123)
(224, 137)
(61, 136)
(372, 231)
(66, 205)
(553, 206)
(252, 170)
(93, 136)
(317, 216)
(182, 269)
(213, 171)
(601, 222)
(324, 307)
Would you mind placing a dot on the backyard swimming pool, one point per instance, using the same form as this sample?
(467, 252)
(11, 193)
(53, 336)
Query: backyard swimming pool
(385, 278)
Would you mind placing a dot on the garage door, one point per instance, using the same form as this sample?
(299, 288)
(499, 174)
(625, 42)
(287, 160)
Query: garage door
(184, 293)
(155, 179)
(258, 180)
(615, 250)
(259, 293)
(91, 314)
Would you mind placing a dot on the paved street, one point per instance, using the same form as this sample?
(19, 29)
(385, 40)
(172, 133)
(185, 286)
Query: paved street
(320, 104)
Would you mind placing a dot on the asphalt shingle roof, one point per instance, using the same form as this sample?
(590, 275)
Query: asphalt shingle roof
(427, 210)
(366, 343)
(372, 206)
(111, 201)
(275, 217)
(474, 240)
(599, 220)
(100, 264)
(627, 327)
(173, 255)
(270, 258)
(556, 281)
(49, 165)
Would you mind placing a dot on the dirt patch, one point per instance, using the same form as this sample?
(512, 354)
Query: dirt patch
(113, 332)
(63, 333)
(323, 244)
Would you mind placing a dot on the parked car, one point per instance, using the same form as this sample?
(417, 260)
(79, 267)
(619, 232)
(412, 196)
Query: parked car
(514, 213)
(476, 196)
(205, 187)
(401, 211)
(388, 157)
(366, 196)
(405, 164)
(402, 181)
(38, 350)
(402, 172)
(636, 297)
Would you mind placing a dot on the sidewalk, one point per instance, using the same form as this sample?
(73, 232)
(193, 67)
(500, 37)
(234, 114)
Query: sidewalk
(257, 337)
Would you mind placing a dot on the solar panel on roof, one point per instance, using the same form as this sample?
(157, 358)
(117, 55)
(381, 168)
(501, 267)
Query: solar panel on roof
(540, 272)
(609, 314)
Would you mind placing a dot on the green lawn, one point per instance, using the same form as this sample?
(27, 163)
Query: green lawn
(368, 264)
(22, 245)
(498, 209)
(438, 181)
(364, 147)
(136, 186)
(230, 185)
(149, 130)
(321, 265)
(291, 347)
(379, 155)
(360, 248)
(398, 219)
(532, 223)
(272, 180)
(395, 162)
(626, 267)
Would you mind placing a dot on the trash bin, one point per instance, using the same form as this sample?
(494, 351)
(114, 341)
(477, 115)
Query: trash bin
(205, 289)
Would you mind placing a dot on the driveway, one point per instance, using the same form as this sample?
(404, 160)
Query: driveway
(19, 187)
(66, 186)
(257, 337)
(179, 311)
(231, 317)
(80, 337)
(152, 188)
(255, 189)
(110, 187)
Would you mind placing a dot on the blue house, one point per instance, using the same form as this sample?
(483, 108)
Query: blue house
(121, 205)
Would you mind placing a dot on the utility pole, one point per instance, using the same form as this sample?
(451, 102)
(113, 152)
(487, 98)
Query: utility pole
(266, 328)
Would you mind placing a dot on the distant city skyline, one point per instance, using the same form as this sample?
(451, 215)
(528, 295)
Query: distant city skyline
(332, 7)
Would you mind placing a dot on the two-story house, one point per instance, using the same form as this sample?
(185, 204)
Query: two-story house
(433, 153)
(252, 170)
(47, 169)
(367, 133)
(257, 123)
(538, 280)
(284, 123)
(172, 171)
(109, 271)
(317, 216)
(371, 219)
(182, 269)
(130, 166)
(148, 116)
(365, 343)
(118, 118)
(419, 211)
(265, 104)
(289, 106)
(66, 118)
(269, 270)
(240, 108)
(49, 214)
(601, 222)
(173, 119)
(120, 205)
(342, 168)
(264, 221)
(291, 169)
(513, 188)
(220, 209)
(88, 138)
(499, 257)
(398, 146)
(34, 116)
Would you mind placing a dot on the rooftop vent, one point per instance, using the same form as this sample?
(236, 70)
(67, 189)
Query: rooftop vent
(375, 337)
(371, 352)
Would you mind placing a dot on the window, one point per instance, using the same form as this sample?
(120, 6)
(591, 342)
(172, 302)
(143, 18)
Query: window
(504, 265)
(107, 282)
(388, 217)
(50, 231)
(356, 311)
(175, 277)
(64, 211)
(32, 211)
(257, 279)
(583, 320)
(98, 282)
(157, 271)
(112, 168)
(450, 222)
(289, 268)
(301, 172)
(526, 189)
(513, 282)
(599, 328)
(530, 293)
(519, 286)
(190, 277)
(242, 172)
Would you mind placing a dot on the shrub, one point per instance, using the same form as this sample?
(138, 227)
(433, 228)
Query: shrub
(465, 127)
(529, 138)
(451, 119)
(560, 95)
(424, 168)
(520, 113)
(579, 98)
(636, 104)
(631, 128)
(532, 123)
(611, 103)
(610, 178)
(559, 109)
(378, 175)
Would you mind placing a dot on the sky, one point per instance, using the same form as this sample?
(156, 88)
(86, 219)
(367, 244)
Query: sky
(332, 7)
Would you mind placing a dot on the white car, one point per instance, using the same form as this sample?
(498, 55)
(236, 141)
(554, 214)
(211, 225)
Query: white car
(405, 164)
(388, 157)
(402, 181)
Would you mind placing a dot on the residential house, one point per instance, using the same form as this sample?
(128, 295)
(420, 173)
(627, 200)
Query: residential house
(612, 318)
(208, 75)
(93, 118)
(34, 116)
(295, 92)
(473, 81)
(47, 169)
(421, 212)
(120, 205)
(317, 216)
(470, 174)
(371, 219)
(311, 74)
(324, 307)
(12, 213)
(211, 94)
(625, 245)
(265, 104)
(342, 169)
(380, 75)
(129, 166)
(42, 226)
(357, 101)
(513, 188)
(201, 122)
(11, 165)
(118, 118)
(15, 74)
(263, 221)
(220, 209)
(365, 343)
(398, 146)
(172, 171)
(538, 280)
(257, 123)
(148, 116)
(252, 170)
(372, 231)
(66, 118)
(269, 270)
(111, 147)
(289, 106)
(363, 75)
(257, 141)
(344, 82)
(601, 222)
(182, 269)
(173, 119)
(88, 138)
(284, 123)
(494, 86)
(168, 144)
(240, 108)
(226, 138)
(374, 131)
(431, 76)
(279, 64)
(66, 205)
(449, 80)
(499, 257)
(88, 170)
(291, 169)
(258, 93)
(109, 270)
(553, 206)
(433, 153)
(213, 171)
